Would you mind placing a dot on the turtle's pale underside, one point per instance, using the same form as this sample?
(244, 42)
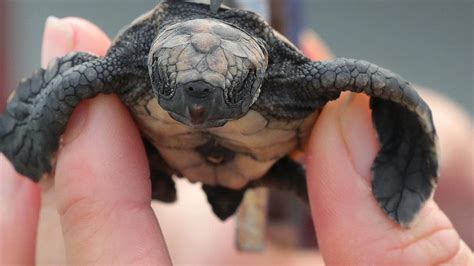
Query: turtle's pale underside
(222, 99)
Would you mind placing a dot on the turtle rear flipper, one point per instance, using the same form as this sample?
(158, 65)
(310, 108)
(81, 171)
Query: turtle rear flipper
(224, 201)
(285, 175)
(163, 187)
(38, 113)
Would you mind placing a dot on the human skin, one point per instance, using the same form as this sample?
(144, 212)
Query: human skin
(102, 194)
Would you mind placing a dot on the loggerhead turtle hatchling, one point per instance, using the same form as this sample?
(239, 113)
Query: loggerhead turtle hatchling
(221, 98)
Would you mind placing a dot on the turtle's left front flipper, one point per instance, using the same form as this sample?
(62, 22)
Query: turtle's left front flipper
(405, 170)
(37, 114)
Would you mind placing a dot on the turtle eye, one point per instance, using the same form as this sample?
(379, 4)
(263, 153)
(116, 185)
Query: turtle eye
(242, 88)
(160, 80)
(166, 88)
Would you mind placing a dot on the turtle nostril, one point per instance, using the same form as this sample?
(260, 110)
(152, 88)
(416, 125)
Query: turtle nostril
(199, 90)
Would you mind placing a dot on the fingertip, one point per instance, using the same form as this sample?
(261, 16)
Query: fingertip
(58, 40)
(65, 35)
(88, 37)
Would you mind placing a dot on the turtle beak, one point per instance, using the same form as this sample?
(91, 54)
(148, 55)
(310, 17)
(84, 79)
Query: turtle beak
(194, 104)
(200, 105)
(197, 113)
(199, 99)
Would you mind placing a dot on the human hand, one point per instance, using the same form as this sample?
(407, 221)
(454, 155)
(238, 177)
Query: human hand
(344, 210)
(102, 179)
(91, 186)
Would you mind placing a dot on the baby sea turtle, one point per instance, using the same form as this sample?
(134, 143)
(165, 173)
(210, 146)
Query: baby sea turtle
(221, 98)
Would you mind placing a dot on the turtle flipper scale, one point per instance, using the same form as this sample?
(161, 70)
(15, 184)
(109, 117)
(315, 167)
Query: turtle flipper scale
(405, 170)
(37, 114)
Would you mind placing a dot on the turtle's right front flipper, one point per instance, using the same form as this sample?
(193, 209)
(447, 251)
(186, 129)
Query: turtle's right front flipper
(37, 114)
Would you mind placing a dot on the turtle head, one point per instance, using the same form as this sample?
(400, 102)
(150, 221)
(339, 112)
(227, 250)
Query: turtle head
(205, 72)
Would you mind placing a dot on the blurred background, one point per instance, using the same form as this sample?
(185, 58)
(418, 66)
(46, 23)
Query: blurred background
(429, 42)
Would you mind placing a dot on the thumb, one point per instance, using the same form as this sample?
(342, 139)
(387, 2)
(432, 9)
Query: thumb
(351, 226)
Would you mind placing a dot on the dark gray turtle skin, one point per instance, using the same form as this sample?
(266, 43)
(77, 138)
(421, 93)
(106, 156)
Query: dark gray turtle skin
(222, 99)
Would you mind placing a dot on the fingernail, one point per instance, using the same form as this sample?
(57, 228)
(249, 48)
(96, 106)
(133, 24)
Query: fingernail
(76, 123)
(58, 39)
(358, 134)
